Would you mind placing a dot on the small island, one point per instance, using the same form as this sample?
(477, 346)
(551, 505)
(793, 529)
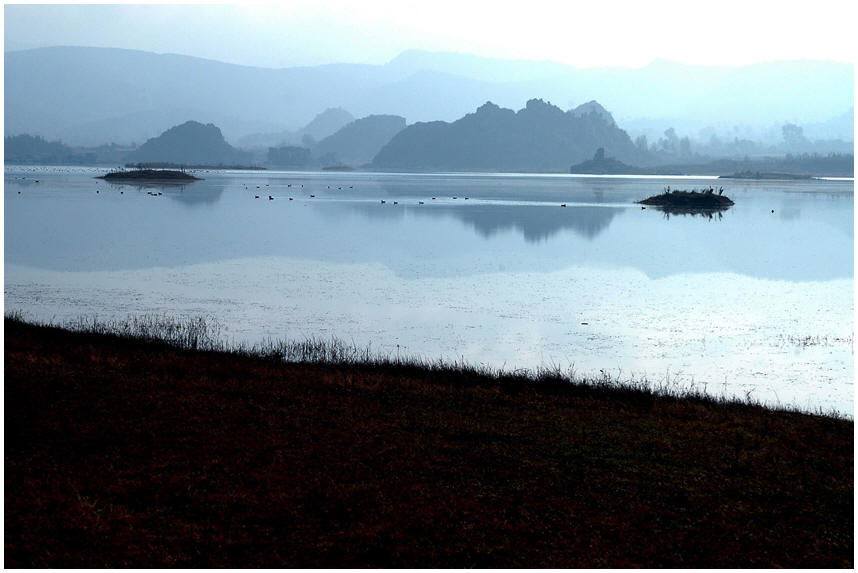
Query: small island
(601, 165)
(149, 176)
(706, 199)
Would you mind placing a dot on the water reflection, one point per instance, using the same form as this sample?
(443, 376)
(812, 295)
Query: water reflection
(186, 193)
(194, 197)
(512, 224)
(538, 224)
(710, 214)
(535, 223)
(502, 188)
(144, 186)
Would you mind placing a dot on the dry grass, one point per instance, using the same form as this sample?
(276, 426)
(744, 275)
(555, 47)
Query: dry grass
(124, 452)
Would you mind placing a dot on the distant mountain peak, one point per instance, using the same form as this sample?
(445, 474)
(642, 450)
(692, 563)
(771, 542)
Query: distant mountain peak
(189, 142)
(488, 107)
(542, 108)
(538, 103)
(357, 142)
(593, 106)
(192, 126)
(327, 123)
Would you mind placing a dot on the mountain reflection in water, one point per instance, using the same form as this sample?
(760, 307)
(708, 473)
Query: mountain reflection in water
(182, 192)
(800, 231)
(536, 223)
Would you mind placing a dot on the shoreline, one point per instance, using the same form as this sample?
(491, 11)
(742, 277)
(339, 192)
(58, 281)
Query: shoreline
(557, 173)
(124, 451)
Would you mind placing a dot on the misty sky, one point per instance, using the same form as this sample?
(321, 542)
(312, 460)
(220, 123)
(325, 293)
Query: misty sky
(583, 34)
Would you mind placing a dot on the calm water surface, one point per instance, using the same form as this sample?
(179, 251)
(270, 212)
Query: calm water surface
(492, 270)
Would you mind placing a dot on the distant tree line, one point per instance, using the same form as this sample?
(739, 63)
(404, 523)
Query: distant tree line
(673, 150)
(32, 149)
(814, 164)
(289, 156)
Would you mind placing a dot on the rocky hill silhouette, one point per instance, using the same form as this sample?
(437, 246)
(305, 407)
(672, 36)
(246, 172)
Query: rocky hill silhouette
(191, 143)
(539, 137)
(359, 141)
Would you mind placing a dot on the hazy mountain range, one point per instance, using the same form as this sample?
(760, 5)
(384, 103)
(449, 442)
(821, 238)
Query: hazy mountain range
(91, 96)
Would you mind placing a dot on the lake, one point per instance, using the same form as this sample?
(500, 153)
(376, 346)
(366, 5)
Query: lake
(489, 269)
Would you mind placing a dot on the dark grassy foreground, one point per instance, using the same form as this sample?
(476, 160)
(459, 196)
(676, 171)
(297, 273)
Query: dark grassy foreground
(123, 452)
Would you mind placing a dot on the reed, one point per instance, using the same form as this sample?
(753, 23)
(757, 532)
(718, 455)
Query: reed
(206, 333)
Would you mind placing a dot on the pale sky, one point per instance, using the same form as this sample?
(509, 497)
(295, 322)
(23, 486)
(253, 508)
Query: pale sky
(583, 34)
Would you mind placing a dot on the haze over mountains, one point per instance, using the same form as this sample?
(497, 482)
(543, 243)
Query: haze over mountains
(324, 124)
(92, 96)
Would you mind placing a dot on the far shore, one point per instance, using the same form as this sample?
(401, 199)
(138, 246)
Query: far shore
(652, 173)
(183, 166)
(765, 175)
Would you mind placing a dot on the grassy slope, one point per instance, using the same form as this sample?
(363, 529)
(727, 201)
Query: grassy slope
(119, 453)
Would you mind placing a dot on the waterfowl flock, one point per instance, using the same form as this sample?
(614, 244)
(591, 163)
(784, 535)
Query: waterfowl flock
(342, 187)
(252, 185)
(339, 188)
(709, 191)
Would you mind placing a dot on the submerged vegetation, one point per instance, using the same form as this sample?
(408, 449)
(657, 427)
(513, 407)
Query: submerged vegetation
(149, 443)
